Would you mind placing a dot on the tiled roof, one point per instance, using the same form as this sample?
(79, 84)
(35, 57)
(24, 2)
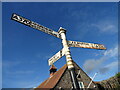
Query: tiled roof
(96, 82)
(53, 80)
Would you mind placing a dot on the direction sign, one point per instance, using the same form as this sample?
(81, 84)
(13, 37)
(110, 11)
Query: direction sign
(34, 25)
(56, 57)
(85, 45)
(65, 51)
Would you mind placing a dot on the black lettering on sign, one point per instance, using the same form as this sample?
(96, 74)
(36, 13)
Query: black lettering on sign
(34, 25)
(46, 29)
(102, 46)
(61, 53)
(40, 27)
(20, 19)
(97, 45)
(43, 30)
(26, 22)
(55, 35)
(14, 17)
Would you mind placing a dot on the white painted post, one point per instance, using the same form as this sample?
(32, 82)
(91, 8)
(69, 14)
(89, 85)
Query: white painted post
(70, 65)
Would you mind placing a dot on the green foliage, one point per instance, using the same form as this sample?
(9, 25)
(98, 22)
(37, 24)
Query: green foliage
(118, 87)
(118, 75)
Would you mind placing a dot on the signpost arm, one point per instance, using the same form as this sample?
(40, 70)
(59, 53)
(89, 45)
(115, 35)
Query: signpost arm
(69, 58)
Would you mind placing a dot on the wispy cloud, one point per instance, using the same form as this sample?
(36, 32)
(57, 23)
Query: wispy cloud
(43, 56)
(13, 73)
(108, 67)
(93, 64)
(7, 66)
(11, 68)
(26, 83)
(112, 52)
(20, 72)
(105, 26)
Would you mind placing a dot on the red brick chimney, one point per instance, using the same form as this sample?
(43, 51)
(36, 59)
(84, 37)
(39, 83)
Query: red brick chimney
(52, 70)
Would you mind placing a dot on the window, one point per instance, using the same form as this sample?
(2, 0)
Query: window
(81, 85)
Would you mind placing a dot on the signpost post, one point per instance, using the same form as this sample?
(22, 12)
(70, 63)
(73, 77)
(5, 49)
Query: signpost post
(70, 65)
(66, 44)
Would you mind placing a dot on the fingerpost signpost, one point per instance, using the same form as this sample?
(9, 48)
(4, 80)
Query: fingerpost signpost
(61, 34)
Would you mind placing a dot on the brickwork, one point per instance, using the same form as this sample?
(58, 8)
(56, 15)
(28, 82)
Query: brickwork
(65, 81)
(83, 77)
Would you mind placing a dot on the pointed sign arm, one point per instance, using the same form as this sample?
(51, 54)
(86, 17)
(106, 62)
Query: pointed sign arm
(85, 45)
(56, 57)
(34, 25)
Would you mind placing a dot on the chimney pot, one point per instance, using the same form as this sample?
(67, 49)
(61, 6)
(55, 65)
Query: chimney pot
(52, 70)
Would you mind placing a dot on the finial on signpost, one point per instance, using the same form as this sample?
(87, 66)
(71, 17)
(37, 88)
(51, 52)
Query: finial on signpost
(62, 30)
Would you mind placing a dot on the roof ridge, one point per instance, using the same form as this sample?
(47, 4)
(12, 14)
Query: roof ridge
(52, 81)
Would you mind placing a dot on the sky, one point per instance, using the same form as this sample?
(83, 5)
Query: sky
(26, 50)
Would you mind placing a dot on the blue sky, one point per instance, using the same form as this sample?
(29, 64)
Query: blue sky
(26, 51)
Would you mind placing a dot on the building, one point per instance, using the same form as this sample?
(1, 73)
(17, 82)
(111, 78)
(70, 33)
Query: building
(61, 79)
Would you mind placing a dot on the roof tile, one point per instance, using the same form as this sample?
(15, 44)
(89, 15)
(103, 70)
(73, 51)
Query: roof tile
(52, 81)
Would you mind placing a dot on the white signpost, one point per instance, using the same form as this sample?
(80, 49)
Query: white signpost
(85, 45)
(66, 44)
(34, 25)
(56, 57)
